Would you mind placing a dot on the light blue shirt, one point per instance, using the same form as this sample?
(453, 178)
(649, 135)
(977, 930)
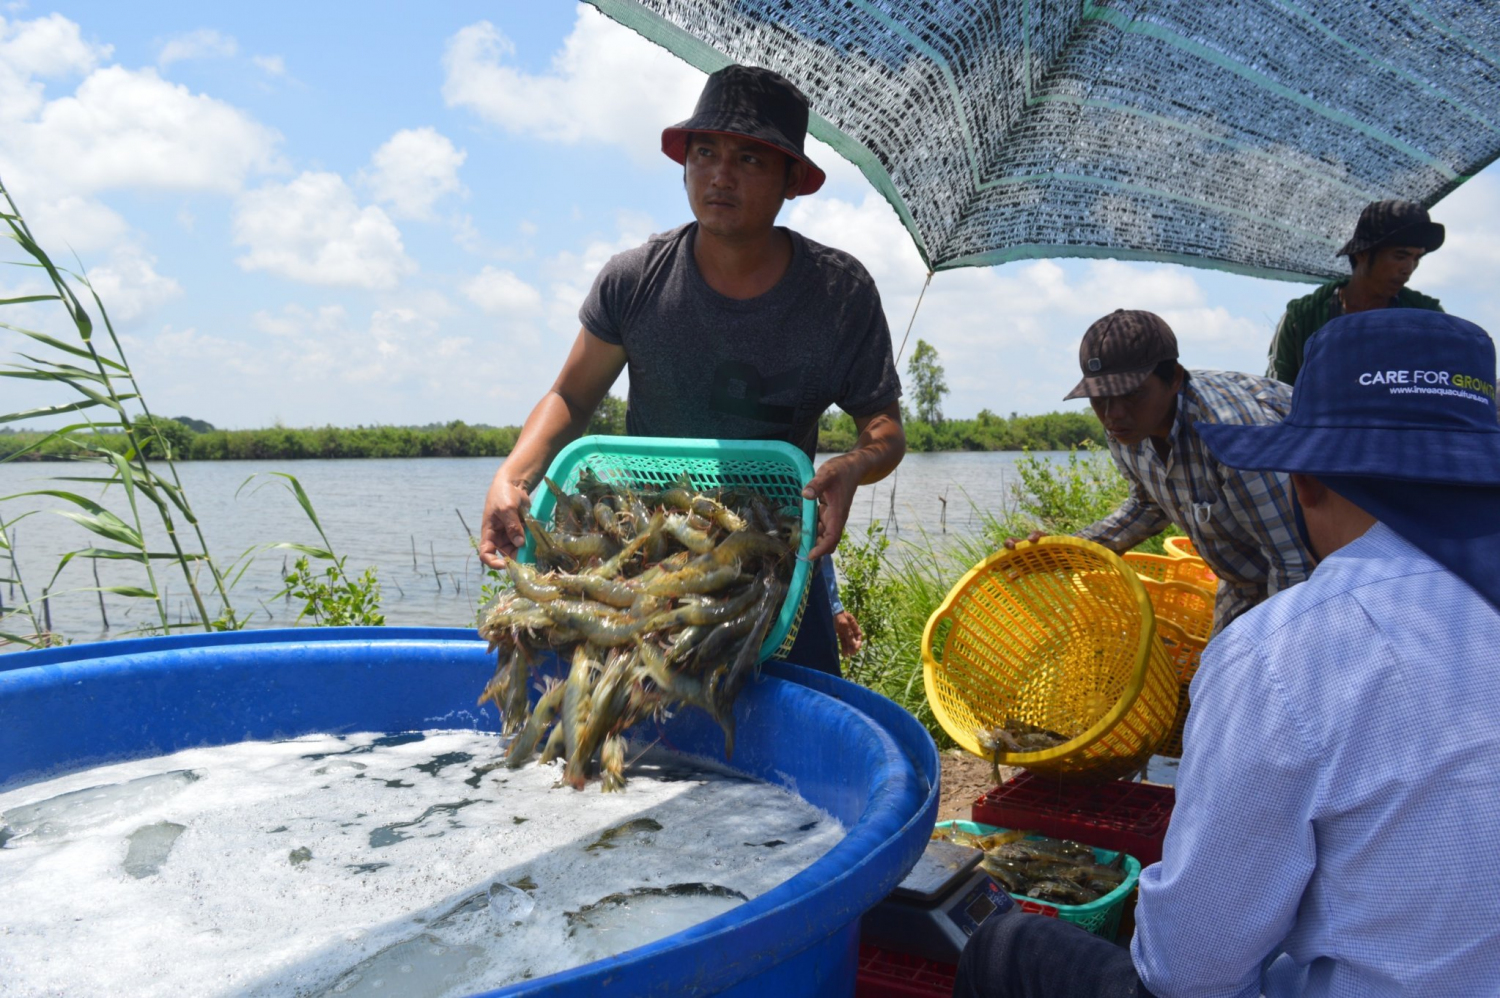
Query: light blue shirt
(1338, 802)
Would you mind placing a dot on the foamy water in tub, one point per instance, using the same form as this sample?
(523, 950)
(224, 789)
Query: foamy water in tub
(370, 864)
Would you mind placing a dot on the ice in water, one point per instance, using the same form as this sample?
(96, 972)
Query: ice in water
(633, 918)
(424, 967)
(149, 847)
(510, 905)
(57, 816)
(407, 864)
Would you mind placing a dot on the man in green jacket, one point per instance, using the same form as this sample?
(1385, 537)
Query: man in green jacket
(1389, 241)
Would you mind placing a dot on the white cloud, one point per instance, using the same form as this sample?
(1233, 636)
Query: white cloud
(50, 46)
(127, 128)
(399, 346)
(68, 221)
(500, 292)
(296, 319)
(606, 84)
(413, 170)
(1023, 319)
(129, 285)
(119, 129)
(1470, 256)
(271, 65)
(314, 231)
(204, 43)
(571, 275)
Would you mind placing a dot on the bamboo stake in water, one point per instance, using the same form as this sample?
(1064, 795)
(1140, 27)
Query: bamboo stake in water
(438, 575)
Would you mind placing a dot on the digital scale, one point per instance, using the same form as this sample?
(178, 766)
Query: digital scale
(940, 904)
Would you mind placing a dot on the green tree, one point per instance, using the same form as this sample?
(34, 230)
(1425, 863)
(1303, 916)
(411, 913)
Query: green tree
(609, 418)
(928, 383)
(158, 430)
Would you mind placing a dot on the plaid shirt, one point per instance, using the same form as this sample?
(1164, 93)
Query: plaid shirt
(1240, 521)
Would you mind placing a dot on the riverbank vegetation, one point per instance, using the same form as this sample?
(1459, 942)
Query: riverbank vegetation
(985, 432)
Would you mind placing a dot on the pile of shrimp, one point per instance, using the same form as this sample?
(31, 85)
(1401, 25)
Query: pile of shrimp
(654, 599)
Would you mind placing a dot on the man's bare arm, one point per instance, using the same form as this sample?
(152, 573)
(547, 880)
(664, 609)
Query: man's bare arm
(881, 445)
(558, 419)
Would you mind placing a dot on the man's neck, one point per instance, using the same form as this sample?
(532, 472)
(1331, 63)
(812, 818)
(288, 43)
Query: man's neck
(1360, 296)
(742, 268)
(1161, 439)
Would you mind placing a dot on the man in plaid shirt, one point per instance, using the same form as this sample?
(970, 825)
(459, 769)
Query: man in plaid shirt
(1241, 522)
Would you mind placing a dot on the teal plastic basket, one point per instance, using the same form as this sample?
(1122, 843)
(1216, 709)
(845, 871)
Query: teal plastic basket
(1101, 917)
(773, 468)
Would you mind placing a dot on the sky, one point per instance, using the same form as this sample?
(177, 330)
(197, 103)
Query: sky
(315, 214)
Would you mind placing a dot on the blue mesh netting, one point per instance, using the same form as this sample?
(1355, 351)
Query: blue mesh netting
(1242, 135)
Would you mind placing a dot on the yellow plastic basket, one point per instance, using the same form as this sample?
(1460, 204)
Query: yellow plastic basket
(1184, 651)
(1058, 635)
(1188, 606)
(1164, 568)
(1152, 566)
(1180, 547)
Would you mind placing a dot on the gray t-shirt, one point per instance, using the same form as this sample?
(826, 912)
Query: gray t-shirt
(764, 368)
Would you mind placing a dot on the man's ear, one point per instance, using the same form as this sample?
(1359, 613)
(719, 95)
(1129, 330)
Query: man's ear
(795, 175)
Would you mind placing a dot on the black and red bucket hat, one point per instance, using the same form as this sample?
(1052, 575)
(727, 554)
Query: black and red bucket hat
(754, 103)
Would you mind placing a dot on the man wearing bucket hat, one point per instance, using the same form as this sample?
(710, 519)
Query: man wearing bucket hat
(1389, 241)
(1337, 819)
(731, 327)
(1240, 522)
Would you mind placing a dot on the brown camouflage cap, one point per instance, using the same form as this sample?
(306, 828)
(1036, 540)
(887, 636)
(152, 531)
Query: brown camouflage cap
(1120, 350)
(1394, 223)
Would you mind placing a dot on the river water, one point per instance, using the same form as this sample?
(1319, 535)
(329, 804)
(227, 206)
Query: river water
(408, 518)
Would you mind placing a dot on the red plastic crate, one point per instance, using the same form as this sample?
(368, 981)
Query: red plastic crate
(884, 974)
(1131, 817)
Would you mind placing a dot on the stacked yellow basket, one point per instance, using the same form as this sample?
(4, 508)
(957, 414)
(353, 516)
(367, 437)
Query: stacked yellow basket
(1181, 588)
(1059, 637)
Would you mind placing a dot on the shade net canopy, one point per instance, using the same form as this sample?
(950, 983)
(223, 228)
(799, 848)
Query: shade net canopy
(1244, 135)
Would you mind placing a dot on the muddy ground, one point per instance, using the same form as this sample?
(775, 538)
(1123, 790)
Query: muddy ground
(964, 778)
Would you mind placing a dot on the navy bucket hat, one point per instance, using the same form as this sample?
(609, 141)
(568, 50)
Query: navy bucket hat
(1397, 393)
(1395, 411)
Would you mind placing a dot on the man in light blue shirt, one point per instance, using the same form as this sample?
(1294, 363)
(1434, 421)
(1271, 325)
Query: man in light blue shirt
(1337, 829)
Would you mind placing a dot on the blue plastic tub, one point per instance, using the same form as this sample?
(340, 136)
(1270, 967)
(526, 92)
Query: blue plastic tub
(842, 748)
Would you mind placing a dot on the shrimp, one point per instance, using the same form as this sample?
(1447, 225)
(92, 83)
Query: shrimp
(610, 592)
(750, 544)
(696, 541)
(718, 513)
(699, 614)
(527, 583)
(612, 763)
(541, 716)
(594, 621)
(577, 697)
(704, 574)
(606, 705)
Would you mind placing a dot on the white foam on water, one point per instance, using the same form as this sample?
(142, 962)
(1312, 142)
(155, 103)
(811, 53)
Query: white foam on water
(361, 865)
